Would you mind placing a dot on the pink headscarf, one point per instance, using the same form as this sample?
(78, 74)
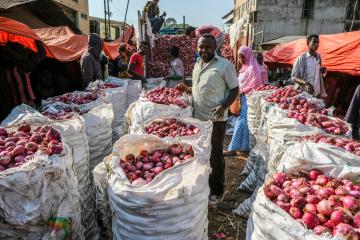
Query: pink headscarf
(250, 73)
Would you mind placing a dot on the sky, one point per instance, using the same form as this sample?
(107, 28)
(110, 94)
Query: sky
(196, 12)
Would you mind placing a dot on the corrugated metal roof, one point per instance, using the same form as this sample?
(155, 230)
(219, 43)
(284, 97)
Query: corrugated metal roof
(6, 4)
(281, 40)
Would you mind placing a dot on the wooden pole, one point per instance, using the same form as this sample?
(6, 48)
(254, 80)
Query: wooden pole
(354, 15)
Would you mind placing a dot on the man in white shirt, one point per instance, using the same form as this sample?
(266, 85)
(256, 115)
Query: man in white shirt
(215, 88)
(307, 72)
(176, 73)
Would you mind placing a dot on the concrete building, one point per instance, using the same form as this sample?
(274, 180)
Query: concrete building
(228, 19)
(97, 25)
(78, 12)
(272, 19)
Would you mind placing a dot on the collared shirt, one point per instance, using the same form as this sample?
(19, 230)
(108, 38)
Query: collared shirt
(176, 67)
(212, 83)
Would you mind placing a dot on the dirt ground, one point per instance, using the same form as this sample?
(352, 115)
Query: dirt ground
(222, 221)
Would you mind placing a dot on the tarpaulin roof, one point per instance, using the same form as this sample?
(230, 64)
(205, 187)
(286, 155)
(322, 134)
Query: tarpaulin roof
(14, 31)
(339, 52)
(111, 48)
(60, 42)
(63, 43)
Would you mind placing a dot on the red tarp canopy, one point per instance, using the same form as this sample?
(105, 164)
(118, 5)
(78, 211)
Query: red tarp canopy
(60, 42)
(14, 31)
(111, 48)
(63, 43)
(339, 52)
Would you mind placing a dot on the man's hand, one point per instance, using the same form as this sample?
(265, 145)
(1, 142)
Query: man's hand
(218, 112)
(309, 88)
(182, 87)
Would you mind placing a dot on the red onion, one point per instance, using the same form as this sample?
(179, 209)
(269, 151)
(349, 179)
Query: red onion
(310, 208)
(312, 199)
(356, 220)
(310, 220)
(295, 212)
(280, 178)
(319, 230)
(350, 202)
(324, 207)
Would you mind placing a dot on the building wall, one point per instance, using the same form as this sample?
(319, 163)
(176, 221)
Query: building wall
(278, 18)
(115, 28)
(81, 9)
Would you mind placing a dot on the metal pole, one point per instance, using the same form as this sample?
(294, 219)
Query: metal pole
(105, 15)
(184, 22)
(127, 7)
(354, 14)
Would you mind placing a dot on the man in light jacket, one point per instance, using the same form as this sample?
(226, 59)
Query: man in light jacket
(307, 72)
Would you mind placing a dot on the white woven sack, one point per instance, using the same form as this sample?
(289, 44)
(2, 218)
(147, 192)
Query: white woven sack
(43, 188)
(144, 110)
(98, 130)
(321, 155)
(273, 223)
(178, 197)
(153, 83)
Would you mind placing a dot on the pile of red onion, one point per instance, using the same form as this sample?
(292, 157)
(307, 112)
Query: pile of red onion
(18, 147)
(159, 64)
(170, 128)
(266, 88)
(331, 126)
(301, 105)
(63, 112)
(108, 85)
(321, 203)
(75, 98)
(282, 93)
(166, 96)
(148, 164)
(348, 144)
(226, 50)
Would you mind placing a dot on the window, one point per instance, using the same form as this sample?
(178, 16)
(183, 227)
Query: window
(84, 16)
(247, 5)
(308, 9)
(253, 2)
(75, 0)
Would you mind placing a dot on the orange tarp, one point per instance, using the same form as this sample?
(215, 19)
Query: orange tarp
(60, 42)
(14, 31)
(339, 52)
(63, 43)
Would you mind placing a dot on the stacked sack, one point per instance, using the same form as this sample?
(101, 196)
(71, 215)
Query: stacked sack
(72, 128)
(39, 192)
(114, 92)
(176, 195)
(158, 103)
(98, 116)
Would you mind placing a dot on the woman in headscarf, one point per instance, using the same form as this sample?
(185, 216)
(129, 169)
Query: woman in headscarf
(90, 61)
(249, 78)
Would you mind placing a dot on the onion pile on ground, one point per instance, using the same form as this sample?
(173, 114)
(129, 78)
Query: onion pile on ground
(159, 65)
(321, 203)
(166, 96)
(226, 50)
(170, 128)
(144, 167)
(348, 144)
(18, 147)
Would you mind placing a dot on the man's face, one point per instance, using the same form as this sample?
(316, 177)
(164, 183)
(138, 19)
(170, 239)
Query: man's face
(155, 1)
(144, 49)
(314, 44)
(260, 58)
(206, 48)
